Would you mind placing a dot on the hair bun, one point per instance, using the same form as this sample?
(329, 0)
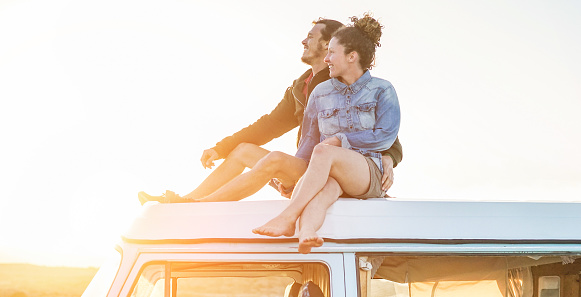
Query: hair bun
(369, 26)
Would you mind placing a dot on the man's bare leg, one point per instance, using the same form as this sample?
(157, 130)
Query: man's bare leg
(347, 167)
(245, 155)
(274, 165)
(313, 216)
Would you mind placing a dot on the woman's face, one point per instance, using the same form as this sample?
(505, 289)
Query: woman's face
(336, 58)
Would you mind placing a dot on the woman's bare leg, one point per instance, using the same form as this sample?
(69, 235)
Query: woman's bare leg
(347, 167)
(313, 216)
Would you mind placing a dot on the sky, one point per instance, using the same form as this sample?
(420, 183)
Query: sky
(102, 99)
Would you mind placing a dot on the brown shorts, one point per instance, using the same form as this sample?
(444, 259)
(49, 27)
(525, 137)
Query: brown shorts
(375, 190)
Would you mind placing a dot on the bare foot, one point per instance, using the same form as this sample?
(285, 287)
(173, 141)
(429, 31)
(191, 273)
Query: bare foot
(277, 227)
(309, 239)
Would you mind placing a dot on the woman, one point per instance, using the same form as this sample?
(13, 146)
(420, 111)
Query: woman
(349, 119)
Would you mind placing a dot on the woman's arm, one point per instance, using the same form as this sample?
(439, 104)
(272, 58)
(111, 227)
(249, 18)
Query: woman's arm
(310, 135)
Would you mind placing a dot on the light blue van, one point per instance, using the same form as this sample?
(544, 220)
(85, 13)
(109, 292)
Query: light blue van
(373, 247)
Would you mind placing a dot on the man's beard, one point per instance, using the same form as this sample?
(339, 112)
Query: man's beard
(310, 60)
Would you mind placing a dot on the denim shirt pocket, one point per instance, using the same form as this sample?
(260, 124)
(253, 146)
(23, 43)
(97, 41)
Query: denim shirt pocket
(366, 112)
(329, 121)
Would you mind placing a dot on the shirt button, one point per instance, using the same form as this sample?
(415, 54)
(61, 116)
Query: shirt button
(347, 111)
(350, 127)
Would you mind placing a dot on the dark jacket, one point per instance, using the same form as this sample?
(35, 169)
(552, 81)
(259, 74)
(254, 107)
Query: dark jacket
(287, 115)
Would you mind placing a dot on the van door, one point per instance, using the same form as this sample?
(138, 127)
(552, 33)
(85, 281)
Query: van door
(502, 275)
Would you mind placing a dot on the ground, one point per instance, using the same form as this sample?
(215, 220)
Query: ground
(25, 280)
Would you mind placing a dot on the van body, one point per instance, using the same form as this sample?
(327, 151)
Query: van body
(374, 247)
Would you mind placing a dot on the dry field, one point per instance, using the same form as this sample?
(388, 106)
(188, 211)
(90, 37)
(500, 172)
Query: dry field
(25, 280)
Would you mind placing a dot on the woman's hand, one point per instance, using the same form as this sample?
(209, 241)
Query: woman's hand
(332, 141)
(387, 178)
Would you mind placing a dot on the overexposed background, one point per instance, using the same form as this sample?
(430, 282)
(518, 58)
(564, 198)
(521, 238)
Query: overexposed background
(102, 99)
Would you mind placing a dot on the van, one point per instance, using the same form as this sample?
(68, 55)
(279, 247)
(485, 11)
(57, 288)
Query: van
(373, 247)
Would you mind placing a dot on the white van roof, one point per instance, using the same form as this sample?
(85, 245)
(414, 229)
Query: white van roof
(372, 220)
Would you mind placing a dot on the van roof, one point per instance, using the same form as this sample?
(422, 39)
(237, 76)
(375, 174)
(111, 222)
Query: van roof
(372, 220)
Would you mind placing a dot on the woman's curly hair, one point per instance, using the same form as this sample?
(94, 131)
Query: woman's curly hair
(363, 37)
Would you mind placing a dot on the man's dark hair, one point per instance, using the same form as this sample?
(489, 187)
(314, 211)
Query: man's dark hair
(331, 26)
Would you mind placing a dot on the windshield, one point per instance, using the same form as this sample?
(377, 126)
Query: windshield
(103, 280)
(227, 279)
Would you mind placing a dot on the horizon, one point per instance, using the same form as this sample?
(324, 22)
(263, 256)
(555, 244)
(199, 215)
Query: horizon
(103, 99)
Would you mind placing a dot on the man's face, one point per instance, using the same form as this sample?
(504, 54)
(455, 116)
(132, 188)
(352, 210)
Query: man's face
(314, 46)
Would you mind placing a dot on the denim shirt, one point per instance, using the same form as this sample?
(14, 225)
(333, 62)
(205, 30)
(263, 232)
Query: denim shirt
(365, 116)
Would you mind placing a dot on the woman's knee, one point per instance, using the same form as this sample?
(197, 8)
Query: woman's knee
(323, 151)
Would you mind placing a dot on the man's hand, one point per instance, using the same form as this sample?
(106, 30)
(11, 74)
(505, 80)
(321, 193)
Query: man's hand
(332, 141)
(208, 158)
(277, 184)
(283, 191)
(387, 178)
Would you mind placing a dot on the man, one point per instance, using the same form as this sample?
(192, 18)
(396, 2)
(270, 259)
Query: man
(242, 149)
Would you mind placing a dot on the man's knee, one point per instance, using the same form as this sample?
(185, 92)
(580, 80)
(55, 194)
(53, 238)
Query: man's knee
(272, 162)
(280, 165)
(243, 154)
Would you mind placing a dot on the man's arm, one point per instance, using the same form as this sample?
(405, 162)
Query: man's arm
(395, 152)
(270, 126)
